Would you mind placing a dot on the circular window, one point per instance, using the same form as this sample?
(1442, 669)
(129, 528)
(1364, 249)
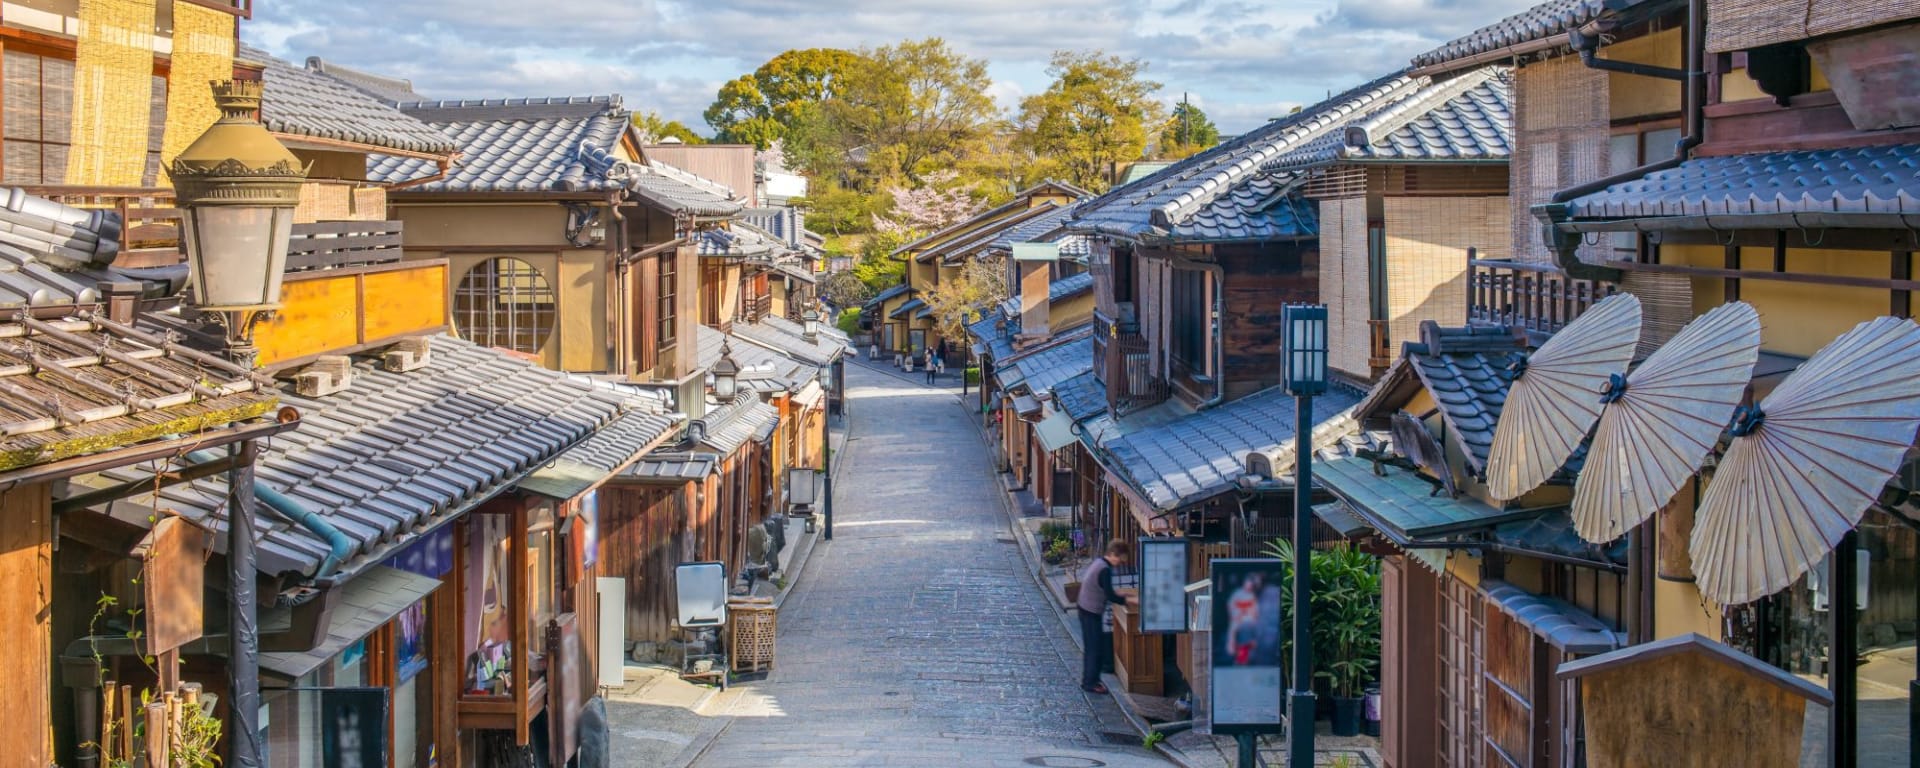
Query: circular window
(504, 303)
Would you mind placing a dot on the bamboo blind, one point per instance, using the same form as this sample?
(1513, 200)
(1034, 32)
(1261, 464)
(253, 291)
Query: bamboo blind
(202, 52)
(1561, 122)
(1666, 305)
(1426, 259)
(112, 91)
(1736, 25)
(1343, 283)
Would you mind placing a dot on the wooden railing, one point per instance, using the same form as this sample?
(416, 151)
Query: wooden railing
(329, 244)
(1536, 297)
(1131, 384)
(753, 308)
(150, 225)
(1379, 345)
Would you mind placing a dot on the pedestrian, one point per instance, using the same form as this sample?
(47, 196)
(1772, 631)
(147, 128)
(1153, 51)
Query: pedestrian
(1096, 591)
(873, 351)
(930, 366)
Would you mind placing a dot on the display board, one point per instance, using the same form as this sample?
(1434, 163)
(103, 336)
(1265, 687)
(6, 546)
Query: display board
(353, 727)
(702, 592)
(1245, 662)
(1163, 583)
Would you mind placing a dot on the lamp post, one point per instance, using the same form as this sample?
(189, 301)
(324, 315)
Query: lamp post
(810, 325)
(726, 375)
(1303, 355)
(236, 187)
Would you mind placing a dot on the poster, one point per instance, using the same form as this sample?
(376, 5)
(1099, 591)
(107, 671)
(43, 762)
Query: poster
(411, 653)
(1245, 654)
(353, 727)
(586, 529)
(1163, 585)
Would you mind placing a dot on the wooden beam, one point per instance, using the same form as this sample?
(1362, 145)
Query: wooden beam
(1753, 274)
(1902, 304)
(1731, 285)
(521, 604)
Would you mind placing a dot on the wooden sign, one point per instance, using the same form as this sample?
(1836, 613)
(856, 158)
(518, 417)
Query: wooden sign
(1691, 702)
(568, 683)
(175, 584)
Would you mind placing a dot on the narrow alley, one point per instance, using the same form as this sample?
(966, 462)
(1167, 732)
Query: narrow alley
(918, 636)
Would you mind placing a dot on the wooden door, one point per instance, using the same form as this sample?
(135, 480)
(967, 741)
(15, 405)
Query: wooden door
(1462, 616)
(1410, 663)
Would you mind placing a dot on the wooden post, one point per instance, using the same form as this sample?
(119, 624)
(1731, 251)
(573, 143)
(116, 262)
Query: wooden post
(521, 603)
(1902, 305)
(1731, 285)
(158, 747)
(26, 652)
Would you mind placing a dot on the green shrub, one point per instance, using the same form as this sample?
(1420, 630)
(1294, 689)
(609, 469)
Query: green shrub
(849, 322)
(973, 375)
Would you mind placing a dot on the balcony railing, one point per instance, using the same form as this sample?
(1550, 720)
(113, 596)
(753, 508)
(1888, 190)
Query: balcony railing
(755, 308)
(1131, 383)
(329, 244)
(1536, 297)
(150, 225)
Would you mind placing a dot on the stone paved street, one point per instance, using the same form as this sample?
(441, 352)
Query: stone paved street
(918, 637)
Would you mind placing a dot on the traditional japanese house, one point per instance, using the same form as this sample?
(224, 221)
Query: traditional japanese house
(416, 538)
(903, 320)
(1763, 153)
(89, 390)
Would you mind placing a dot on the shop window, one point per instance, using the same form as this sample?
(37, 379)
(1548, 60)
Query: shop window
(506, 303)
(413, 696)
(669, 280)
(488, 607)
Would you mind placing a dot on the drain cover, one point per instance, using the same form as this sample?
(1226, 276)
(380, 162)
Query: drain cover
(1122, 739)
(1063, 761)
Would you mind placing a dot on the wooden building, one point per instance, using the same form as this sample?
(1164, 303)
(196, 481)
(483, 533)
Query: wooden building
(1711, 152)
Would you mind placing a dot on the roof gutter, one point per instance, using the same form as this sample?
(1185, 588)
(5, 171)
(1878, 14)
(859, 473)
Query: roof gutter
(1555, 213)
(1494, 56)
(446, 167)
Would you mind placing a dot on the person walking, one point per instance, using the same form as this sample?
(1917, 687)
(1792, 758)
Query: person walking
(931, 366)
(1096, 591)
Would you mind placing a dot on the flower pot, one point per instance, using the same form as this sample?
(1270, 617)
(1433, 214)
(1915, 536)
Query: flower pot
(1346, 715)
(1073, 592)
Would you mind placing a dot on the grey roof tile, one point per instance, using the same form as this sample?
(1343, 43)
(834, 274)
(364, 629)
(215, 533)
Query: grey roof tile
(727, 427)
(758, 364)
(390, 90)
(1196, 197)
(378, 483)
(1199, 455)
(1468, 118)
(1542, 21)
(1864, 184)
(789, 338)
(304, 102)
(1081, 396)
(672, 467)
(1040, 368)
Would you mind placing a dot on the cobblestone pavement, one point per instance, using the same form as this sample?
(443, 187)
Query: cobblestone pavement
(917, 637)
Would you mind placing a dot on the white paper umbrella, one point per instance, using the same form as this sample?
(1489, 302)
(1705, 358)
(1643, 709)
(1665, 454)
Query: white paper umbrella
(1804, 465)
(1657, 429)
(1556, 397)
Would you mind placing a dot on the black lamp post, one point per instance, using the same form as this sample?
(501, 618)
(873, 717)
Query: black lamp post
(1303, 356)
(237, 188)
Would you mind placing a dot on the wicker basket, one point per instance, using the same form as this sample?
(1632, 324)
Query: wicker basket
(751, 637)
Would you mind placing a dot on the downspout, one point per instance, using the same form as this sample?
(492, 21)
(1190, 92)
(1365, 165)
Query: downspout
(616, 345)
(339, 547)
(1693, 106)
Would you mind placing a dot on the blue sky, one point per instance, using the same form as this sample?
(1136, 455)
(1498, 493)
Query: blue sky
(1243, 61)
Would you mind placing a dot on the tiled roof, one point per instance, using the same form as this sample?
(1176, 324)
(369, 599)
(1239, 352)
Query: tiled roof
(757, 363)
(44, 234)
(739, 242)
(1466, 371)
(1857, 186)
(980, 237)
(303, 102)
(1465, 119)
(889, 292)
(544, 145)
(1039, 229)
(1402, 503)
(728, 426)
(1020, 199)
(672, 467)
(1082, 396)
(1540, 22)
(1180, 200)
(1069, 286)
(1260, 208)
(783, 222)
(599, 457)
(397, 454)
(75, 387)
(789, 338)
(391, 90)
(1039, 368)
(903, 310)
(1203, 454)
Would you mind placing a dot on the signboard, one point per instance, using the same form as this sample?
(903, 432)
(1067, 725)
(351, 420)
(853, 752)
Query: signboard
(1245, 646)
(566, 687)
(175, 583)
(586, 529)
(702, 592)
(353, 727)
(1163, 585)
(612, 622)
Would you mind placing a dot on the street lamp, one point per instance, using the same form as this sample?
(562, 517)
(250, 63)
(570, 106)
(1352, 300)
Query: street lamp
(236, 188)
(726, 375)
(1303, 355)
(810, 324)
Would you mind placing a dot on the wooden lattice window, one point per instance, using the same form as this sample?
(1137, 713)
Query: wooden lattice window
(39, 117)
(1462, 661)
(669, 280)
(506, 303)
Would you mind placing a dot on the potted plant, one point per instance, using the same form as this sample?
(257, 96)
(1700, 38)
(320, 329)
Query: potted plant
(1346, 628)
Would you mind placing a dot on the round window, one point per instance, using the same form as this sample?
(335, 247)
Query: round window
(506, 303)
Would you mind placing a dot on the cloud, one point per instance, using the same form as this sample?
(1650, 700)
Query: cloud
(1246, 60)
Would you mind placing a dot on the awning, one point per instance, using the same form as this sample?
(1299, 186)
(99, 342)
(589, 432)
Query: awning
(1562, 624)
(1025, 404)
(1055, 431)
(599, 457)
(1341, 519)
(1403, 505)
(371, 599)
(671, 468)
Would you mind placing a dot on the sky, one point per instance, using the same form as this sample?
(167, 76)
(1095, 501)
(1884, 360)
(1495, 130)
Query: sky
(1242, 61)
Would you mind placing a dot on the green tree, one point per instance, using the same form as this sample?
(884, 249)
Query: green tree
(1188, 131)
(658, 128)
(910, 109)
(764, 106)
(836, 210)
(961, 300)
(1095, 115)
